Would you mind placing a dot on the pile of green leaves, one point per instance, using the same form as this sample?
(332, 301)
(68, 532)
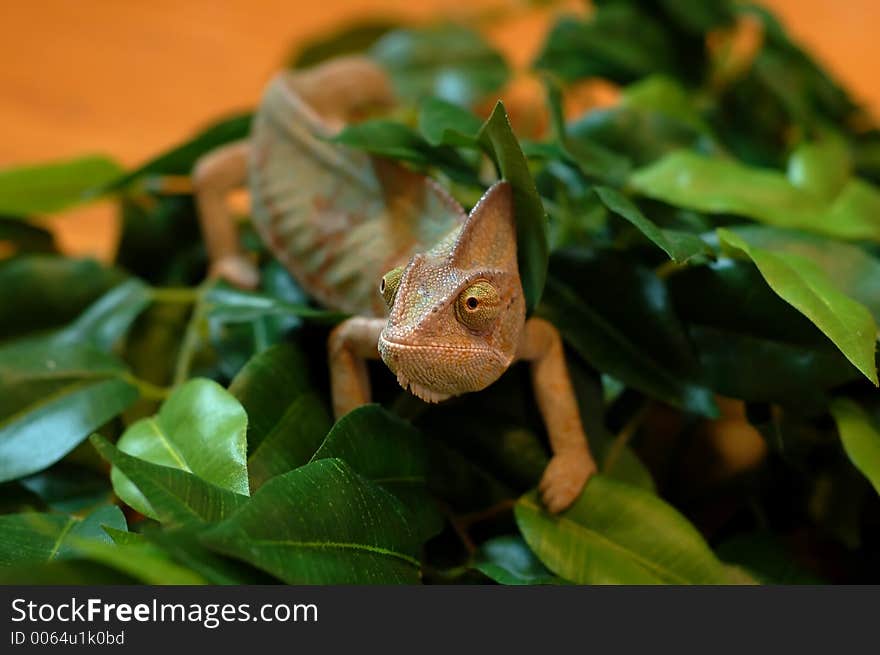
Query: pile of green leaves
(710, 235)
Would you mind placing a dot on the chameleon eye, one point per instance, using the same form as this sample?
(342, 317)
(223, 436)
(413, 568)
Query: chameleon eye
(478, 306)
(388, 285)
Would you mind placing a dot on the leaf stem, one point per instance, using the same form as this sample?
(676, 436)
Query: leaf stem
(623, 438)
(188, 345)
(169, 184)
(190, 337)
(668, 268)
(446, 575)
(261, 335)
(175, 295)
(147, 389)
(506, 505)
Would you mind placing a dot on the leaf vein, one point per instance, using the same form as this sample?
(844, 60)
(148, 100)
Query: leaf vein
(340, 545)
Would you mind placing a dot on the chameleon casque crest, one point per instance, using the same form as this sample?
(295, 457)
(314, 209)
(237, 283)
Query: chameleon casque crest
(433, 291)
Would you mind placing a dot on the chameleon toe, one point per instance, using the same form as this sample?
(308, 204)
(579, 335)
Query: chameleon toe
(237, 270)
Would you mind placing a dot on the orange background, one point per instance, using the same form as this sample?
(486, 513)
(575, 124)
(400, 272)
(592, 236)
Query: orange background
(132, 77)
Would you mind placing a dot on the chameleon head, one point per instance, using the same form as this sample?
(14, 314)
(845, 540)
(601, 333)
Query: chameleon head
(457, 311)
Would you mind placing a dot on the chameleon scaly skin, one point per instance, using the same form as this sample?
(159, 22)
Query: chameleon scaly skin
(450, 318)
(438, 345)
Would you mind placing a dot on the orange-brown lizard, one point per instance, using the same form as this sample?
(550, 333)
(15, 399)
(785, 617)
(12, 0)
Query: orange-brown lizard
(449, 317)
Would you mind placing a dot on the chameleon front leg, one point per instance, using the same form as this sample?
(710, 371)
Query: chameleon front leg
(350, 344)
(215, 176)
(572, 464)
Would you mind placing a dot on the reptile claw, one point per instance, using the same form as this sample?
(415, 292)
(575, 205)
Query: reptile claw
(236, 269)
(564, 479)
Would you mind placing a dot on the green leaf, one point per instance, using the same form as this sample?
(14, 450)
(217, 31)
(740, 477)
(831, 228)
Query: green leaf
(731, 295)
(764, 555)
(49, 188)
(60, 388)
(617, 534)
(33, 537)
(723, 186)
(504, 457)
(352, 39)
(740, 575)
(68, 487)
(624, 136)
(181, 159)
(292, 441)
(666, 96)
(595, 161)
(448, 61)
(619, 319)
(33, 371)
(860, 437)
(821, 167)
(185, 547)
(31, 361)
(445, 123)
(107, 320)
(848, 266)
(696, 17)
(386, 138)
(497, 138)
(460, 480)
(680, 246)
(323, 524)
(25, 238)
(866, 154)
(142, 561)
(49, 424)
(805, 286)
(379, 446)
(177, 497)
(604, 46)
(760, 369)
(227, 342)
(227, 305)
(156, 334)
(161, 241)
(623, 465)
(509, 561)
(200, 429)
(38, 292)
(267, 386)
(799, 82)
(123, 537)
(390, 452)
(485, 447)
(751, 343)
(66, 572)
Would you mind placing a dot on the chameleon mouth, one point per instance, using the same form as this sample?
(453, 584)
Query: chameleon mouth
(433, 379)
(421, 391)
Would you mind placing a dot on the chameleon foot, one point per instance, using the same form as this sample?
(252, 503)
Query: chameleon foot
(236, 269)
(564, 478)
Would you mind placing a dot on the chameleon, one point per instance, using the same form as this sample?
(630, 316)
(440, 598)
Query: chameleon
(449, 315)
